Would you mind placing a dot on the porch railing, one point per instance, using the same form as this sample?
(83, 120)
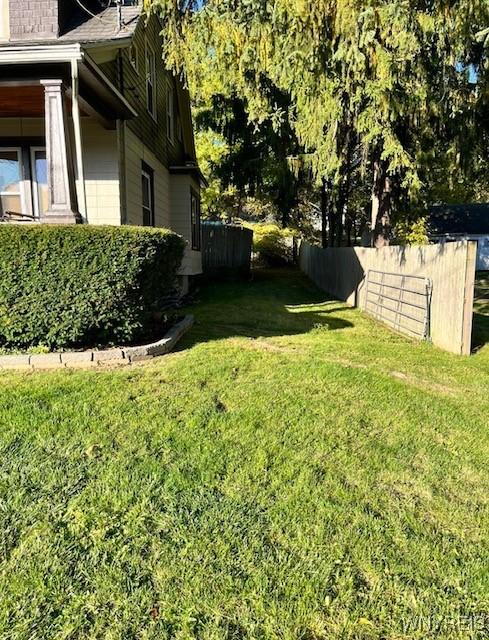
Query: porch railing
(7, 217)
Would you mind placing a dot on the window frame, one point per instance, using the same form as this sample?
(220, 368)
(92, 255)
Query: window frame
(148, 173)
(134, 60)
(170, 112)
(34, 183)
(151, 80)
(195, 226)
(21, 192)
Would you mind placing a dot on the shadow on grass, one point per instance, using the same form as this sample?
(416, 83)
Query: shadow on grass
(272, 303)
(480, 328)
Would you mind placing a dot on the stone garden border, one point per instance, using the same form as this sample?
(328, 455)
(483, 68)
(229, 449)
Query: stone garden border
(80, 359)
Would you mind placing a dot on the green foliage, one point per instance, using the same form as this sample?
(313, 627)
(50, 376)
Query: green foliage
(68, 286)
(212, 150)
(273, 244)
(412, 233)
(365, 84)
(247, 164)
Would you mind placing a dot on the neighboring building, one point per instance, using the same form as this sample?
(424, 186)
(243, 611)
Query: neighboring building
(93, 129)
(462, 222)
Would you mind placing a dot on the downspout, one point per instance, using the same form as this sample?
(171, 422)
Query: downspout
(121, 142)
(75, 112)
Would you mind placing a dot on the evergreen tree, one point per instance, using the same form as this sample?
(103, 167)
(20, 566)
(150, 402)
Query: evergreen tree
(377, 81)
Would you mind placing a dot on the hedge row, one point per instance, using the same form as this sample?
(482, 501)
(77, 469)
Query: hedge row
(70, 286)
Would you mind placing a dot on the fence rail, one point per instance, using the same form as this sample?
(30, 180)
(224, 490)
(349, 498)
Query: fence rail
(403, 290)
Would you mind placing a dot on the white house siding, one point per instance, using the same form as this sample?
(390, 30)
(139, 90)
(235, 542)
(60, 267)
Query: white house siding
(101, 167)
(136, 153)
(181, 221)
(482, 261)
(482, 252)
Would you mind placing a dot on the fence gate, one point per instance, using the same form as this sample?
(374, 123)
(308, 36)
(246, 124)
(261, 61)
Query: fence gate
(401, 301)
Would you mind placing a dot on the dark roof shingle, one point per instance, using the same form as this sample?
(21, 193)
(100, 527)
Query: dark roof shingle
(459, 218)
(103, 26)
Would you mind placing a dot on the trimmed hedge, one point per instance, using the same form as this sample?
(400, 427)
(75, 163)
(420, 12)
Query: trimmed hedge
(82, 285)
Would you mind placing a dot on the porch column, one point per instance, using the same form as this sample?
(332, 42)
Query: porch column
(62, 204)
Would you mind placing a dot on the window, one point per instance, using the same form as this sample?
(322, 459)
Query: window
(151, 81)
(147, 183)
(11, 185)
(170, 112)
(179, 129)
(39, 180)
(134, 57)
(195, 219)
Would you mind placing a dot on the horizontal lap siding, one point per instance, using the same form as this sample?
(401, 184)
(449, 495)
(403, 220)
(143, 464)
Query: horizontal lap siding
(180, 206)
(101, 165)
(132, 83)
(191, 263)
(136, 153)
(181, 221)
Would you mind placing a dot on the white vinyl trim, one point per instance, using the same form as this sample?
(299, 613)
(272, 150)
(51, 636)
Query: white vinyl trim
(40, 54)
(22, 181)
(35, 186)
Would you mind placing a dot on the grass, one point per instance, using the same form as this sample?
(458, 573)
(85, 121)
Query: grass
(294, 471)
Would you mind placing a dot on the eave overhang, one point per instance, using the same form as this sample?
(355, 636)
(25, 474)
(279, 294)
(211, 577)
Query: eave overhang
(72, 54)
(190, 169)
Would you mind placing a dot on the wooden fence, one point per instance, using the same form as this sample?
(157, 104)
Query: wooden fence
(449, 267)
(226, 250)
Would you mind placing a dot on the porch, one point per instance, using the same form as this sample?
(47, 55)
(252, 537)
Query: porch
(48, 97)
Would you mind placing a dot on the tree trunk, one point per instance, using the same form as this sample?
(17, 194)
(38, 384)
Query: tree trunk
(349, 225)
(340, 211)
(331, 225)
(324, 214)
(348, 218)
(381, 205)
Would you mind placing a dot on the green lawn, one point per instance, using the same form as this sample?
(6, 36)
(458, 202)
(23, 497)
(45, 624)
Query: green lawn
(294, 471)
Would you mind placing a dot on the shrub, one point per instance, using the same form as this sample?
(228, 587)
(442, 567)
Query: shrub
(412, 233)
(273, 245)
(80, 285)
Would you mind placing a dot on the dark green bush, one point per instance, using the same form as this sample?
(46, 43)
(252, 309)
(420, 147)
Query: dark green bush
(80, 285)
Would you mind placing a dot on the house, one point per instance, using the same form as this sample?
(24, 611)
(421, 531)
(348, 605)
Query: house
(462, 222)
(93, 129)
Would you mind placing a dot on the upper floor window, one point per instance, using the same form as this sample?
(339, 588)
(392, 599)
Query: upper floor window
(179, 129)
(151, 81)
(170, 112)
(134, 57)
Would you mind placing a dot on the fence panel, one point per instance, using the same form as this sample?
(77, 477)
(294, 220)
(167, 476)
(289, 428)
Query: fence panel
(226, 249)
(450, 267)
